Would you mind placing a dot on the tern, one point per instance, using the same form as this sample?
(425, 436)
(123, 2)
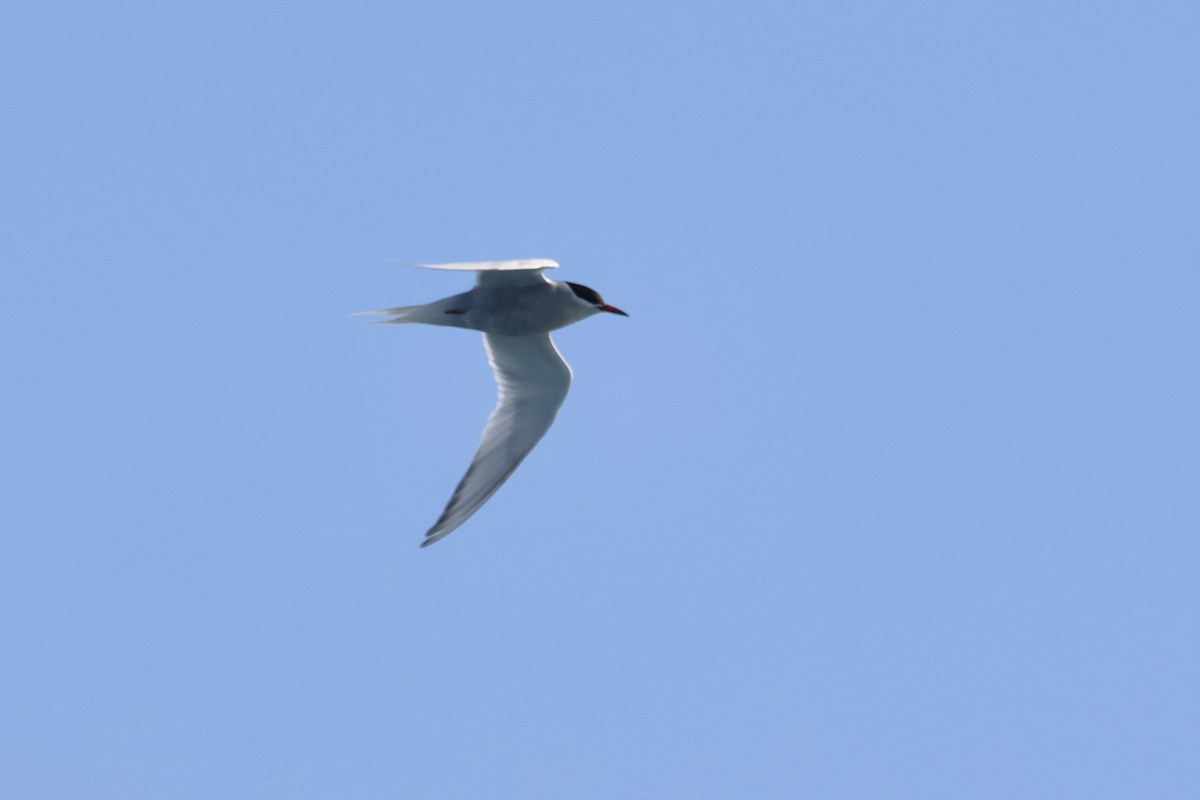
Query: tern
(515, 306)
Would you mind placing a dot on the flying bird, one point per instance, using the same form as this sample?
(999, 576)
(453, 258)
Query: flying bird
(516, 306)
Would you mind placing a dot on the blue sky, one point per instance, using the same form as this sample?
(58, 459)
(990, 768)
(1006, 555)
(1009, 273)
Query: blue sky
(887, 488)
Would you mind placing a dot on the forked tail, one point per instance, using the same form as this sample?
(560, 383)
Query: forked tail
(398, 315)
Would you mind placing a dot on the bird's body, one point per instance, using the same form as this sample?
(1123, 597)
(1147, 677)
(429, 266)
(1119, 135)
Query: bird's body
(516, 307)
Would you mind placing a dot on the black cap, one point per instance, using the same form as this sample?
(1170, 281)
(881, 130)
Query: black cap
(586, 294)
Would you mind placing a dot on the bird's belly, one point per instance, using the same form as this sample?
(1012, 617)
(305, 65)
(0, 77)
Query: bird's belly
(524, 311)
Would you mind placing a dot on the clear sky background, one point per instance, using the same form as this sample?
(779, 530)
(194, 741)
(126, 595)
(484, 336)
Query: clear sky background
(887, 488)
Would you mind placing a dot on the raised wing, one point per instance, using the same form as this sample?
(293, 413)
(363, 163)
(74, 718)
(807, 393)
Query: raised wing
(533, 381)
(497, 273)
(488, 266)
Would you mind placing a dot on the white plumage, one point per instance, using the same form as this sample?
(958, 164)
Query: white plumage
(516, 307)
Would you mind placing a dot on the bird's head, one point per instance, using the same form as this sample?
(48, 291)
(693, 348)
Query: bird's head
(593, 299)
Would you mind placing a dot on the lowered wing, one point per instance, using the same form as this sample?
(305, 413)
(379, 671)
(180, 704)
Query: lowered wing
(533, 381)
